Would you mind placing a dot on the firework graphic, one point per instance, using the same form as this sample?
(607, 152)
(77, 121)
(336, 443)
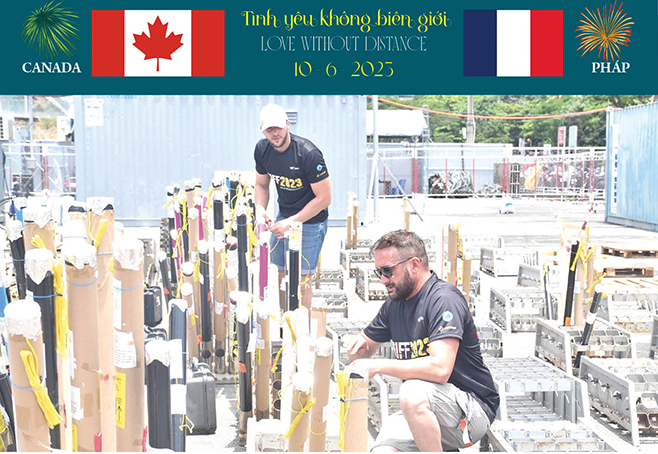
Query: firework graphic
(605, 31)
(50, 30)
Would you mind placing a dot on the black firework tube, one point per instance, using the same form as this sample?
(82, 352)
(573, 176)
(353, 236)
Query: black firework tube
(206, 305)
(39, 271)
(17, 247)
(185, 233)
(589, 325)
(218, 212)
(243, 318)
(178, 342)
(158, 393)
(233, 184)
(294, 265)
(568, 304)
(166, 283)
(243, 248)
(8, 404)
(173, 277)
(549, 305)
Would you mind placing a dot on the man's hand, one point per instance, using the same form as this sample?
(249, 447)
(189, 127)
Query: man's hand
(279, 228)
(356, 346)
(366, 363)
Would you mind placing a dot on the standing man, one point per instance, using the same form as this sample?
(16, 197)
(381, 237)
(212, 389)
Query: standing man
(304, 193)
(448, 398)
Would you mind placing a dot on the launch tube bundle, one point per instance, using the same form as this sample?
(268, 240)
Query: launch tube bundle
(101, 220)
(39, 270)
(84, 355)
(129, 342)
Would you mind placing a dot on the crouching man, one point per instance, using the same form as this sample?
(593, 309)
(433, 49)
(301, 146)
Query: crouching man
(448, 398)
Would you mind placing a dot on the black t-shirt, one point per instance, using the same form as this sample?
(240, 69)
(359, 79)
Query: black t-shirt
(438, 311)
(293, 172)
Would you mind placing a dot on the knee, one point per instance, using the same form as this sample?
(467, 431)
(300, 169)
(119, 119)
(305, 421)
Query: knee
(413, 397)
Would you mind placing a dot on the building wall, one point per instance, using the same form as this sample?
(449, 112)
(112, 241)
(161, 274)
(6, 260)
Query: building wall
(148, 142)
(632, 157)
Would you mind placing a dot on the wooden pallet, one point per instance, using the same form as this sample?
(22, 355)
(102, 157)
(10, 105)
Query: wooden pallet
(628, 271)
(629, 252)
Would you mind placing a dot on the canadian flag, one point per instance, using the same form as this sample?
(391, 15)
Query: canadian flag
(165, 43)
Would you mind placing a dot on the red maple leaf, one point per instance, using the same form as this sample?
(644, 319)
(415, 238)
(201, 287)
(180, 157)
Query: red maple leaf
(158, 45)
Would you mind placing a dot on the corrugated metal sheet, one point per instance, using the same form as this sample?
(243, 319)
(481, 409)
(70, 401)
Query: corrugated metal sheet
(632, 148)
(148, 142)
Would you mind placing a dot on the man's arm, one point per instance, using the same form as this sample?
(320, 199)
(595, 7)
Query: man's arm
(436, 368)
(360, 346)
(322, 199)
(262, 194)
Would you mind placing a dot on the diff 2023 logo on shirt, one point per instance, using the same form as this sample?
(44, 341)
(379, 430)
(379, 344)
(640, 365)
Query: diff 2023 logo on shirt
(164, 43)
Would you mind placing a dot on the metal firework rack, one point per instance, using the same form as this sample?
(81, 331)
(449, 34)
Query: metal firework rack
(368, 286)
(559, 345)
(517, 309)
(626, 392)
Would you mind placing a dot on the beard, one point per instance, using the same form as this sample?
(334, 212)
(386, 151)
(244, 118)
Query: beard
(402, 290)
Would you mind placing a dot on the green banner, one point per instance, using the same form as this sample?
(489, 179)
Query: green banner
(395, 48)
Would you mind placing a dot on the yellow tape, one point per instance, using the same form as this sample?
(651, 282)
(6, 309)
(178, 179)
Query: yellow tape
(120, 399)
(309, 403)
(341, 381)
(37, 241)
(61, 310)
(29, 358)
(74, 431)
(102, 225)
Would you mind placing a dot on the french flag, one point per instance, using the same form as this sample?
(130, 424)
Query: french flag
(513, 43)
(157, 43)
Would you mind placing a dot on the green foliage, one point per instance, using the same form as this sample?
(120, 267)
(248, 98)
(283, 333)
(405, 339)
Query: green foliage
(591, 127)
(50, 29)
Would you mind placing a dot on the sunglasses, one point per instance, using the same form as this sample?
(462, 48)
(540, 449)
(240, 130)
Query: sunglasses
(387, 271)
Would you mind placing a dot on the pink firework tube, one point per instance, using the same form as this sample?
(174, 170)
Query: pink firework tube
(198, 204)
(263, 237)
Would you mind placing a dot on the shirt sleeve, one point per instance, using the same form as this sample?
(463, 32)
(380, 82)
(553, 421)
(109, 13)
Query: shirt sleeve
(446, 316)
(315, 167)
(379, 329)
(258, 155)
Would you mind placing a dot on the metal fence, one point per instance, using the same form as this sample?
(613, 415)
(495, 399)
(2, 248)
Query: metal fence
(32, 167)
(488, 170)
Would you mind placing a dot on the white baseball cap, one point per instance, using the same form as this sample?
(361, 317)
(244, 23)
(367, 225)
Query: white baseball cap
(273, 115)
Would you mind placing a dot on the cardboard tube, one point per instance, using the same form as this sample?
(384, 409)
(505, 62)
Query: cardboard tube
(219, 297)
(39, 269)
(318, 318)
(304, 357)
(15, 235)
(263, 363)
(321, 380)
(356, 417)
(129, 343)
(39, 221)
(78, 212)
(23, 319)
(302, 384)
(187, 292)
(101, 214)
(579, 292)
(82, 295)
(355, 219)
(453, 249)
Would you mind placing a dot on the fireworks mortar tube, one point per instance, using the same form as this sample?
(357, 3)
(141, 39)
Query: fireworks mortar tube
(231, 276)
(129, 343)
(78, 212)
(263, 258)
(39, 221)
(206, 303)
(82, 296)
(17, 248)
(219, 287)
(101, 216)
(294, 265)
(178, 365)
(158, 389)
(243, 319)
(187, 293)
(23, 321)
(39, 270)
(302, 383)
(356, 416)
(589, 324)
(321, 382)
(263, 363)
(318, 317)
(571, 278)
